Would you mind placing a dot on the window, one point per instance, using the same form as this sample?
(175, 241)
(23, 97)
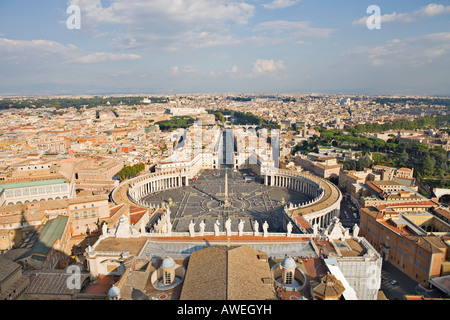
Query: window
(167, 278)
(289, 278)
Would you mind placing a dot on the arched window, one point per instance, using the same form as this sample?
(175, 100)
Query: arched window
(289, 277)
(167, 278)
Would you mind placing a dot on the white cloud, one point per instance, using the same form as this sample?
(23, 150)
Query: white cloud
(166, 24)
(262, 66)
(189, 69)
(98, 57)
(52, 51)
(427, 11)
(293, 29)
(410, 52)
(39, 46)
(280, 4)
(174, 70)
(233, 69)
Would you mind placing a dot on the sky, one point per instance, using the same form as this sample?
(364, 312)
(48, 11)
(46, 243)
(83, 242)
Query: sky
(224, 46)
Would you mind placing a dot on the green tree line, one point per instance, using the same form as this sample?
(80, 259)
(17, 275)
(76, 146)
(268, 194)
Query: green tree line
(429, 162)
(64, 103)
(175, 123)
(129, 172)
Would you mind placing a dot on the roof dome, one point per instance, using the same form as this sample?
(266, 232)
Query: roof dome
(168, 263)
(114, 291)
(288, 263)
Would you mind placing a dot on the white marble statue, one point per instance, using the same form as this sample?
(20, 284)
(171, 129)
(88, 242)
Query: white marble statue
(228, 227)
(216, 228)
(289, 229)
(105, 229)
(202, 228)
(191, 229)
(315, 229)
(265, 228)
(256, 228)
(355, 230)
(241, 227)
(169, 228)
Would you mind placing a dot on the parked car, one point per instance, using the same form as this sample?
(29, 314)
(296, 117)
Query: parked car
(394, 283)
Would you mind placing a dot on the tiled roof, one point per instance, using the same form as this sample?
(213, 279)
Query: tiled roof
(227, 273)
(52, 231)
(327, 286)
(7, 267)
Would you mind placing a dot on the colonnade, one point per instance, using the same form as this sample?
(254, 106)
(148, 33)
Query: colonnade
(313, 187)
(156, 182)
(298, 183)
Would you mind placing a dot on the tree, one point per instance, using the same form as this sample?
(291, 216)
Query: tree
(428, 166)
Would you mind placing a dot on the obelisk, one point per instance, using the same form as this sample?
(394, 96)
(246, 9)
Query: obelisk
(226, 203)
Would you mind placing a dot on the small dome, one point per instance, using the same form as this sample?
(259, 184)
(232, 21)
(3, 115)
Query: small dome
(168, 263)
(114, 291)
(288, 263)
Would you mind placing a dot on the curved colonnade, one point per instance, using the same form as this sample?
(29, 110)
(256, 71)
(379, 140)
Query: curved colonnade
(133, 190)
(326, 197)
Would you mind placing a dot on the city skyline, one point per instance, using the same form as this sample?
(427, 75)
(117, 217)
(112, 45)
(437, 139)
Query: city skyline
(163, 47)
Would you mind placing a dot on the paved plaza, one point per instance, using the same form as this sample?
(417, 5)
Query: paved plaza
(249, 200)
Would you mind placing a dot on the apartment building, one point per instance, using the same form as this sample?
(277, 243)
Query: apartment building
(398, 234)
(319, 165)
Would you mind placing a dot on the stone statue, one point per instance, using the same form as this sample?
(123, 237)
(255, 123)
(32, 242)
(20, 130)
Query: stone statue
(105, 229)
(315, 229)
(216, 228)
(202, 228)
(355, 230)
(256, 228)
(289, 229)
(169, 228)
(265, 228)
(228, 227)
(191, 229)
(241, 227)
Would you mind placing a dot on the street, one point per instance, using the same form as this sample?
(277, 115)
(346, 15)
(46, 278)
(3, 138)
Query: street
(349, 214)
(406, 286)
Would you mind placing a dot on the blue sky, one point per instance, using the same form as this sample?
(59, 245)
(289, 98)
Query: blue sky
(224, 46)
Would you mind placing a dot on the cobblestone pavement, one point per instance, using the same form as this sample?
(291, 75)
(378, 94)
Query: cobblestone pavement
(249, 201)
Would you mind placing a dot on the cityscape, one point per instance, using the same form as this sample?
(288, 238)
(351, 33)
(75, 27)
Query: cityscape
(256, 192)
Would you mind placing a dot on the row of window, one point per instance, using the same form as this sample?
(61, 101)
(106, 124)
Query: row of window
(85, 214)
(404, 253)
(17, 193)
(84, 206)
